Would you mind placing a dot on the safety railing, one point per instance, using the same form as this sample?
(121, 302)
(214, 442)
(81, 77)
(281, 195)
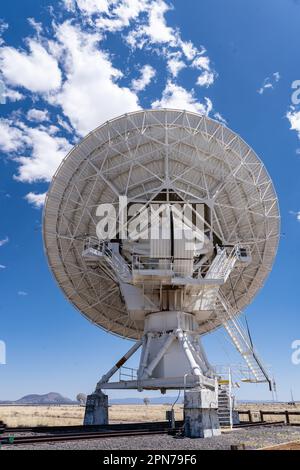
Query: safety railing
(127, 373)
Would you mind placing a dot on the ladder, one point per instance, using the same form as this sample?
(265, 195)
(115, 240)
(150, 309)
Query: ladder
(224, 406)
(108, 259)
(241, 341)
(222, 265)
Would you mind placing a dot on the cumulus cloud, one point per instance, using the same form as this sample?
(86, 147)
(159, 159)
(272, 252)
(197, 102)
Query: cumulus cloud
(201, 62)
(189, 50)
(2, 266)
(89, 6)
(72, 69)
(175, 64)
(38, 115)
(155, 30)
(46, 153)
(36, 200)
(294, 118)
(90, 95)
(37, 150)
(64, 124)
(269, 82)
(12, 95)
(12, 138)
(37, 71)
(119, 14)
(177, 97)
(206, 79)
(147, 73)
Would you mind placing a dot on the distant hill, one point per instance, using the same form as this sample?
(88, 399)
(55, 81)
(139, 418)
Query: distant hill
(51, 398)
(54, 398)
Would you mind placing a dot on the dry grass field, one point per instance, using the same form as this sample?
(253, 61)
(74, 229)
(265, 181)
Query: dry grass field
(73, 414)
(255, 407)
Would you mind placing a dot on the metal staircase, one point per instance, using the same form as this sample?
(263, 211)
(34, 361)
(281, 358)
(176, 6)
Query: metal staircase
(240, 339)
(222, 265)
(110, 261)
(224, 406)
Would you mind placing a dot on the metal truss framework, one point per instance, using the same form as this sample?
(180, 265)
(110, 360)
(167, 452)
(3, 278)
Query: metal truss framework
(139, 155)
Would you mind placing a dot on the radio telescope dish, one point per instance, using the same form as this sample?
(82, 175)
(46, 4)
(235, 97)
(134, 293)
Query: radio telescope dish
(161, 226)
(160, 155)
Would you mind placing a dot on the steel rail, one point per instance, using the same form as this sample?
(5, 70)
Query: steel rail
(11, 440)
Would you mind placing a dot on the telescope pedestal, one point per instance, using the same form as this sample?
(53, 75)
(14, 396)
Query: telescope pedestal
(96, 410)
(201, 413)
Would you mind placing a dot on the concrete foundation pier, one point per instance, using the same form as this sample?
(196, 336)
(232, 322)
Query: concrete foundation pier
(96, 409)
(201, 413)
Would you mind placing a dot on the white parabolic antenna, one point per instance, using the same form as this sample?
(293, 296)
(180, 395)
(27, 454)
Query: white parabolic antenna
(164, 292)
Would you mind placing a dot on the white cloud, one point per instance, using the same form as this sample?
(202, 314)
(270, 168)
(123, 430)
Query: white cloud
(37, 70)
(38, 27)
(175, 65)
(22, 293)
(11, 138)
(93, 6)
(47, 152)
(13, 95)
(276, 76)
(69, 5)
(189, 50)
(37, 200)
(147, 73)
(121, 14)
(4, 241)
(156, 30)
(2, 266)
(201, 62)
(70, 69)
(64, 124)
(206, 79)
(177, 97)
(90, 95)
(294, 118)
(269, 82)
(38, 115)
(220, 118)
(296, 214)
(3, 26)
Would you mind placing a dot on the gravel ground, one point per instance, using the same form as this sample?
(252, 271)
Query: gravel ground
(253, 438)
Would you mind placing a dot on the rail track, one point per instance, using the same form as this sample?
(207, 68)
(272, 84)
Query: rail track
(9, 440)
(90, 428)
(45, 434)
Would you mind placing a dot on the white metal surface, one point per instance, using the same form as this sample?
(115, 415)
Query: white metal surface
(140, 155)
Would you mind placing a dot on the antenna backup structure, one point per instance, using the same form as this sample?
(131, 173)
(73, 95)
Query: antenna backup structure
(161, 226)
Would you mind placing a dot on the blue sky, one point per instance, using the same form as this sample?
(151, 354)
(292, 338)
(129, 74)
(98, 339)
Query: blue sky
(69, 66)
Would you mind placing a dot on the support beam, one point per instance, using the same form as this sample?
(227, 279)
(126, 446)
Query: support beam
(119, 364)
(183, 340)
